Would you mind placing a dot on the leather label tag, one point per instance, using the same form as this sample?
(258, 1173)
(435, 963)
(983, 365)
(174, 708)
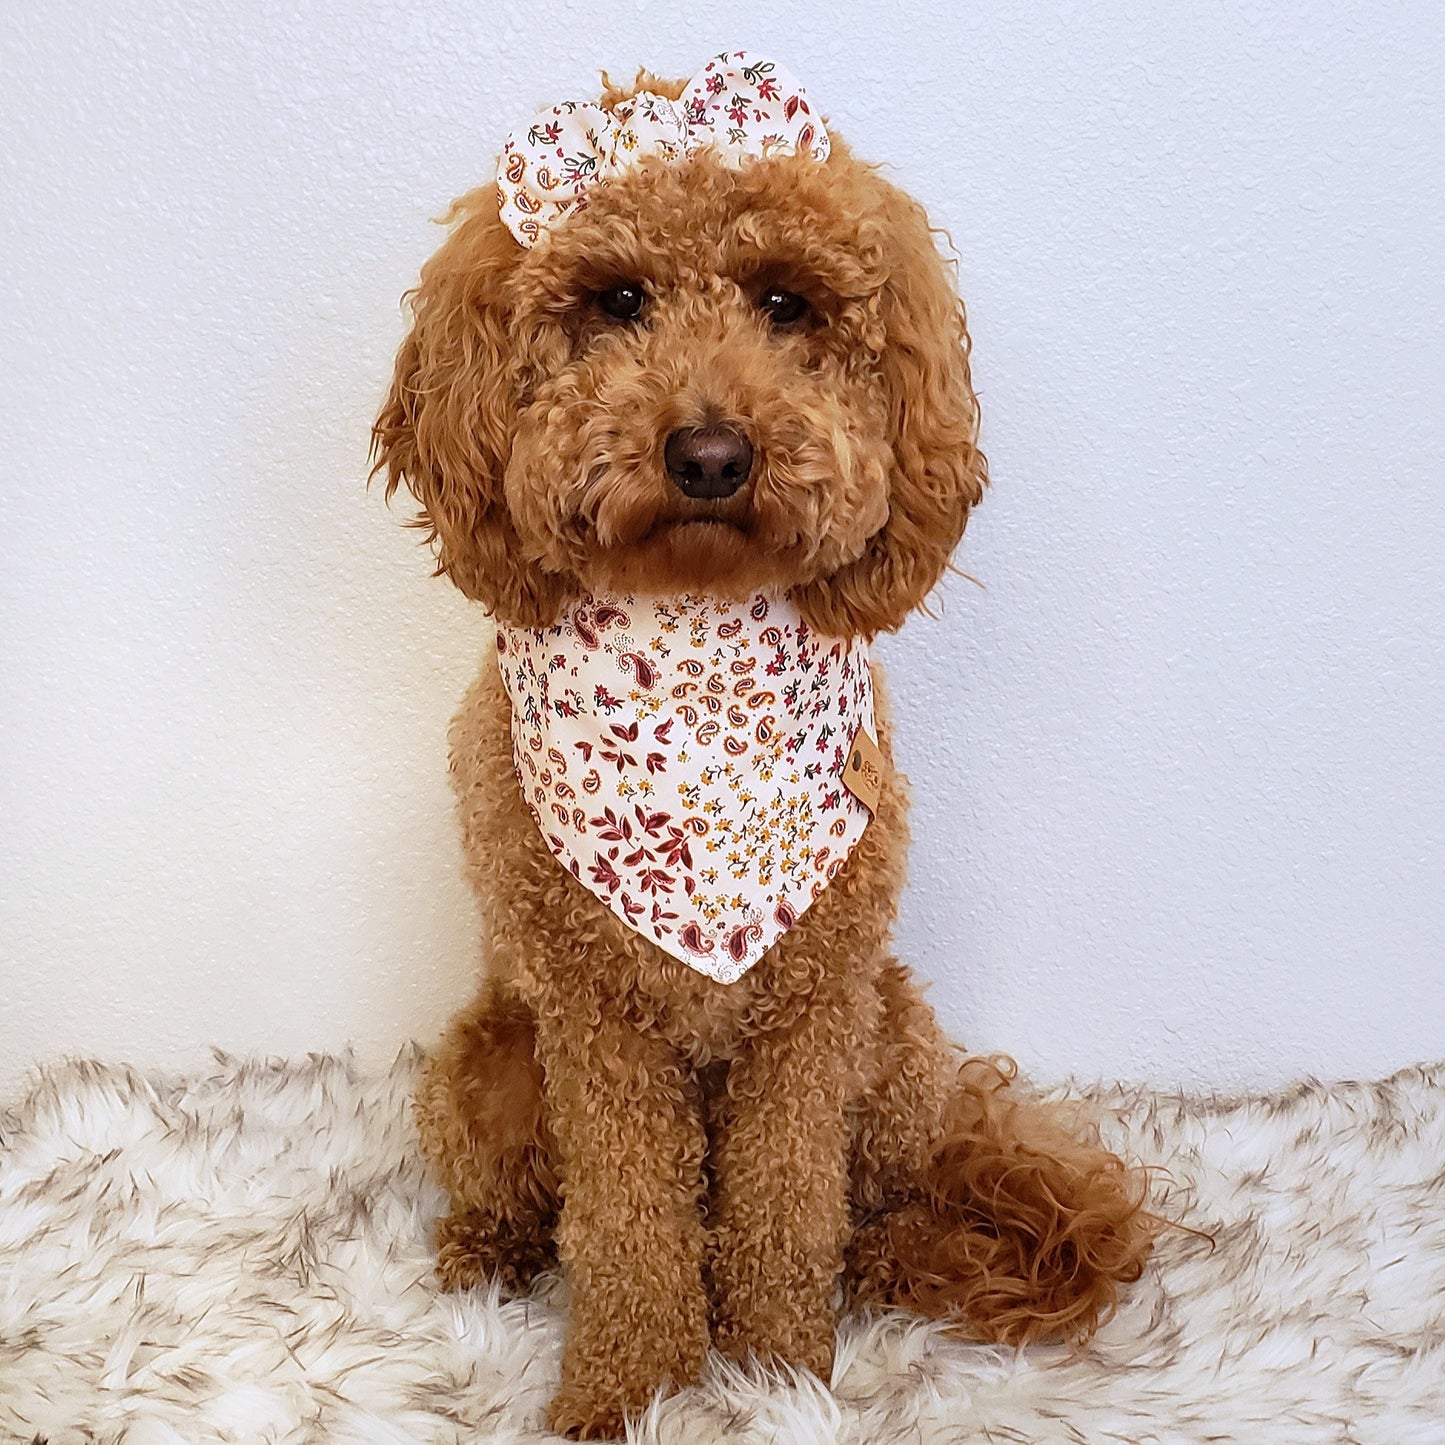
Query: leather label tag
(863, 770)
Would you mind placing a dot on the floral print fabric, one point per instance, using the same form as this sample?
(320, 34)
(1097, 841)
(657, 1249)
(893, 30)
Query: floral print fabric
(683, 758)
(741, 103)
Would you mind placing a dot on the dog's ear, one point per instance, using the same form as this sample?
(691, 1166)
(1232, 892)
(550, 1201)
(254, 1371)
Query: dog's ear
(446, 425)
(938, 472)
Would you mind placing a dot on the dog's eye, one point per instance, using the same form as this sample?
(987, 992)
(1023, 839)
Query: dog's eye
(783, 308)
(624, 302)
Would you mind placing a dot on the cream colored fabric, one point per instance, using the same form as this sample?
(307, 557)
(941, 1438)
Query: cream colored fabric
(684, 759)
(742, 104)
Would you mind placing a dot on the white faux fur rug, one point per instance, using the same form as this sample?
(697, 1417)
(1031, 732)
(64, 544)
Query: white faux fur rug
(243, 1255)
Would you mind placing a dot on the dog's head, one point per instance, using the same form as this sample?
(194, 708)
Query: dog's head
(712, 377)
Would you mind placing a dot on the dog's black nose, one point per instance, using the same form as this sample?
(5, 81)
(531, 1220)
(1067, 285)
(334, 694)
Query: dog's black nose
(708, 462)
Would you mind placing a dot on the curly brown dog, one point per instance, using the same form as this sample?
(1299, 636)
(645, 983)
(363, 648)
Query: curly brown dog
(707, 1161)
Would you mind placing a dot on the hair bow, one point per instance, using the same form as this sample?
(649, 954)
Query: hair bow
(741, 104)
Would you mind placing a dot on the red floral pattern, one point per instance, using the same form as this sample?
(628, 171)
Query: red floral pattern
(683, 758)
(745, 105)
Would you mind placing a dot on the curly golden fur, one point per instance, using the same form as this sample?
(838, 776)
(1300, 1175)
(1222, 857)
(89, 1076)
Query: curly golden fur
(708, 1161)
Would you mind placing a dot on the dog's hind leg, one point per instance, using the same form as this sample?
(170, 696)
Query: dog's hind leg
(899, 1123)
(483, 1131)
(976, 1205)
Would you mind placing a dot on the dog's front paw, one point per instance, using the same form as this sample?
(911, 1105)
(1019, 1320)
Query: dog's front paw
(575, 1414)
(615, 1364)
(596, 1407)
(781, 1335)
(769, 1306)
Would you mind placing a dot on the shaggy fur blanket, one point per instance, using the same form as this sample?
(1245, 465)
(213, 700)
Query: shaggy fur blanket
(244, 1255)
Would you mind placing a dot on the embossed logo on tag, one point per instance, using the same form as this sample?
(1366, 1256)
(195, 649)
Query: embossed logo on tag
(863, 772)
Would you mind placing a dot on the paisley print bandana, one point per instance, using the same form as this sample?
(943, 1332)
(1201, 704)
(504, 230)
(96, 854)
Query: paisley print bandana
(742, 104)
(684, 757)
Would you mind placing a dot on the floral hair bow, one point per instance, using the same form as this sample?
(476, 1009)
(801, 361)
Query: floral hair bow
(739, 103)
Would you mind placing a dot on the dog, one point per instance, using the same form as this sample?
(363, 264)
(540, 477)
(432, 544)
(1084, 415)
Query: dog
(692, 366)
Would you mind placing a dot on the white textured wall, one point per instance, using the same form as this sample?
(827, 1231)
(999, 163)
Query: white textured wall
(1179, 767)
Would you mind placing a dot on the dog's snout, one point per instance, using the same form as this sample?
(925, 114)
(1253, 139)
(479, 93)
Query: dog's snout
(708, 462)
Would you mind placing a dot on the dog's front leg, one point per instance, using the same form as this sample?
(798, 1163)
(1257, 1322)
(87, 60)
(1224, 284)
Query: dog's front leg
(780, 1206)
(631, 1141)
